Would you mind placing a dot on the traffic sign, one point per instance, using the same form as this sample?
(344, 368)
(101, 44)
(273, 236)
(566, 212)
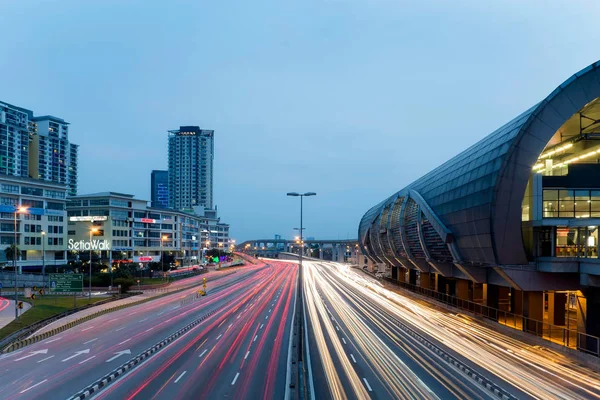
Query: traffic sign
(65, 282)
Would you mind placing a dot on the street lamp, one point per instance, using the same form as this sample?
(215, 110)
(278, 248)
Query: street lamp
(92, 231)
(21, 210)
(301, 195)
(43, 256)
(162, 258)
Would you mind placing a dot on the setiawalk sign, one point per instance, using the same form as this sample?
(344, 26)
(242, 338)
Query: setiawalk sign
(88, 245)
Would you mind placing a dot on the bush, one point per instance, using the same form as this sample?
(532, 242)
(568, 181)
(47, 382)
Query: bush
(126, 283)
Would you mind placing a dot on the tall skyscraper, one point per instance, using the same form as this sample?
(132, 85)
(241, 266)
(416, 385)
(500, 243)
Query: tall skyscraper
(159, 189)
(191, 152)
(37, 147)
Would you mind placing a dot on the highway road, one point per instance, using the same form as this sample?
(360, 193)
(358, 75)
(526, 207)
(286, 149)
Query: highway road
(240, 348)
(368, 342)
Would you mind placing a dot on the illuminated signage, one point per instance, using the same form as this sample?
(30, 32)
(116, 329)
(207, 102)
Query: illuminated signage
(88, 219)
(142, 259)
(148, 220)
(88, 245)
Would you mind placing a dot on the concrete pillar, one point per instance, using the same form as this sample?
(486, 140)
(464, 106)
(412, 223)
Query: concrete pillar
(556, 308)
(412, 276)
(503, 298)
(463, 290)
(533, 307)
(516, 298)
(425, 280)
(442, 284)
(491, 295)
(592, 318)
(478, 295)
(320, 251)
(401, 274)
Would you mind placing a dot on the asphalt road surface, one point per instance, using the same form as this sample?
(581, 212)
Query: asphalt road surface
(363, 342)
(241, 349)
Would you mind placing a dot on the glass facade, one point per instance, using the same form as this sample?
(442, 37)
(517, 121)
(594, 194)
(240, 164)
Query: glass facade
(499, 198)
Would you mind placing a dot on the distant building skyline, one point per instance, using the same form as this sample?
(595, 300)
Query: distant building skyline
(37, 147)
(159, 188)
(191, 153)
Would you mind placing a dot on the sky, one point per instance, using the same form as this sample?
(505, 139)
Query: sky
(352, 99)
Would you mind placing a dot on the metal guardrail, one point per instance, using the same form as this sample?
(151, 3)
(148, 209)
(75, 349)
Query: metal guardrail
(561, 335)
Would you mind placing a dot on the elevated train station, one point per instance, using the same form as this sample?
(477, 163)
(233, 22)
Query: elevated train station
(510, 223)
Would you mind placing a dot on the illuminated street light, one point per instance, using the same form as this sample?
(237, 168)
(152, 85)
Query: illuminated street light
(162, 257)
(92, 231)
(22, 210)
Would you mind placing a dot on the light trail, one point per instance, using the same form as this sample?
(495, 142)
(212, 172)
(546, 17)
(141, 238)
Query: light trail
(372, 317)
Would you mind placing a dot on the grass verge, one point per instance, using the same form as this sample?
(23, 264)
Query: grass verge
(42, 308)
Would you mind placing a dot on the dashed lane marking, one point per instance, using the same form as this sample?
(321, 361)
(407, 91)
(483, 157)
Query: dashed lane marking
(180, 376)
(39, 383)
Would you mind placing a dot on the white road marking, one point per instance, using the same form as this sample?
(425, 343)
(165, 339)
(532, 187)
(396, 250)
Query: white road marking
(201, 354)
(86, 329)
(246, 356)
(267, 317)
(124, 341)
(90, 341)
(77, 353)
(33, 353)
(120, 329)
(149, 329)
(353, 359)
(261, 325)
(235, 379)
(219, 337)
(255, 337)
(87, 359)
(344, 340)
(270, 309)
(367, 383)
(44, 359)
(53, 340)
(119, 354)
(337, 327)
(180, 376)
(229, 326)
(142, 320)
(161, 313)
(37, 384)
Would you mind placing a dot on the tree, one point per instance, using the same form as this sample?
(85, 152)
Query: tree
(10, 252)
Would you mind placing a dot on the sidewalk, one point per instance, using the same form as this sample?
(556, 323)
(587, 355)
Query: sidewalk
(7, 311)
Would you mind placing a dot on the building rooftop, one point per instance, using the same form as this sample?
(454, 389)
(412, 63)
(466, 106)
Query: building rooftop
(51, 118)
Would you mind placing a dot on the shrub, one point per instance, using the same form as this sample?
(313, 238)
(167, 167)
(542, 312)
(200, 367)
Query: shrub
(126, 283)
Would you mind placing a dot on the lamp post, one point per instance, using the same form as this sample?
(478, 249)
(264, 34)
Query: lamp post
(43, 257)
(301, 195)
(162, 256)
(17, 210)
(92, 231)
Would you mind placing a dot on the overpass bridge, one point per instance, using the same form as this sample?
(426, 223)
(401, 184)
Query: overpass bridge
(340, 250)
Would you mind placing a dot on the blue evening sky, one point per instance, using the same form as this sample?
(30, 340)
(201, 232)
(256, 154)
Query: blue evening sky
(353, 99)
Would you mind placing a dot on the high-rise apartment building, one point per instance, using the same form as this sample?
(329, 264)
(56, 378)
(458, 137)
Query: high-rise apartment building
(191, 152)
(37, 147)
(159, 189)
